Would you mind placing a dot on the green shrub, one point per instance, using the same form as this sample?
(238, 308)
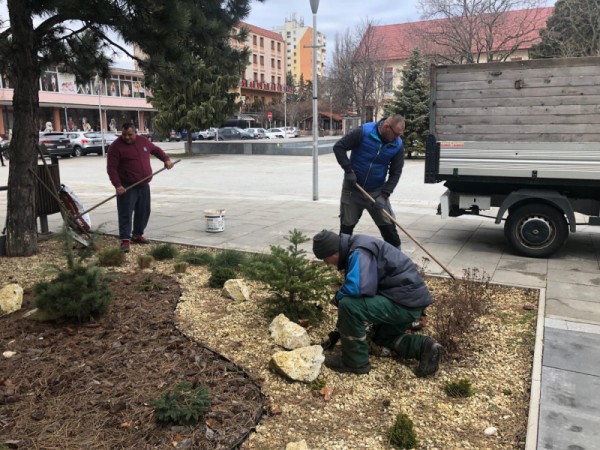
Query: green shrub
(184, 405)
(402, 433)
(149, 284)
(231, 258)
(461, 388)
(300, 287)
(111, 257)
(77, 293)
(197, 258)
(163, 251)
(219, 275)
(144, 261)
(180, 267)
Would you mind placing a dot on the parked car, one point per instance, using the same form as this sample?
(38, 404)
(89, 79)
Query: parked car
(174, 136)
(275, 133)
(232, 133)
(202, 135)
(84, 142)
(291, 132)
(4, 144)
(109, 138)
(55, 144)
(258, 133)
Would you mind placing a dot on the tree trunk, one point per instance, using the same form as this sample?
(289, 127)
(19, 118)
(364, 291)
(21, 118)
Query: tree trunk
(21, 239)
(188, 149)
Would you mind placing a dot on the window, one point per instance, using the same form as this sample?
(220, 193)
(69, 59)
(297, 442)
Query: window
(262, 60)
(262, 42)
(255, 76)
(272, 45)
(278, 80)
(279, 64)
(388, 79)
(273, 79)
(254, 59)
(272, 63)
(253, 40)
(279, 46)
(262, 77)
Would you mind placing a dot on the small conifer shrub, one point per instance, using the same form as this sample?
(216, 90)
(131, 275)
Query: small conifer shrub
(461, 388)
(149, 284)
(219, 275)
(402, 433)
(231, 258)
(300, 288)
(186, 404)
(180, 267)
(144, 261)
(197, 258)
(111, 257)
(162, 252)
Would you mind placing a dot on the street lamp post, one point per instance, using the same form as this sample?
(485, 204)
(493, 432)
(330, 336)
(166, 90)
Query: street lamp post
(314, 6)
(99, 88)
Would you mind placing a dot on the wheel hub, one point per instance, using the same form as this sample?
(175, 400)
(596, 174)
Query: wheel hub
(536, 231)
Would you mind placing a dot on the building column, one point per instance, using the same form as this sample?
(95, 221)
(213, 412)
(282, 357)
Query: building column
(56, 119)
(141, 120)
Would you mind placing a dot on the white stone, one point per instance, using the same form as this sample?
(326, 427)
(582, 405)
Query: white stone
(300, 445)
(236, 290)
(302, 364)
(490, 431)
(9, 354)
(11, 298)
(288, 334)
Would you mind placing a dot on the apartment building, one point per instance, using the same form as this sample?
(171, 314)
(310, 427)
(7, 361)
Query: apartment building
(299, 54)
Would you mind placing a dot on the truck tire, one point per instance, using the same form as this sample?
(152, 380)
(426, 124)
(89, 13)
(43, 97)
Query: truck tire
(536, 230)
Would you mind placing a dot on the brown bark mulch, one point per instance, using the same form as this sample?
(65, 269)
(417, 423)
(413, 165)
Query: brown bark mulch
(89, 386)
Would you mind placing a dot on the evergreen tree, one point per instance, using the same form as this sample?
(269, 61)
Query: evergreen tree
(572, 30)
(76, 36)
(412, 101)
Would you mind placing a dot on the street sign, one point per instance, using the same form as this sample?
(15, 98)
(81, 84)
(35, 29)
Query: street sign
(270, 116)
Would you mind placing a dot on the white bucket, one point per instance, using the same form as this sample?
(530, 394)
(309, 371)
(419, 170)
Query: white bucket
(215, 220)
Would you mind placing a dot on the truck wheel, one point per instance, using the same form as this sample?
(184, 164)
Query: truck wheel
(536, 230)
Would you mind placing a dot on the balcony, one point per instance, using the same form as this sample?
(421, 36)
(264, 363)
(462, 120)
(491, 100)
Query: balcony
(264, 86)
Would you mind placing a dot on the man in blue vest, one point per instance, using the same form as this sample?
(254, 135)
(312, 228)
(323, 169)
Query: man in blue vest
(375, 163)
(382, 287)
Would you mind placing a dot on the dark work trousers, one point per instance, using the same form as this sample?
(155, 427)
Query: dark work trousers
(136, 202)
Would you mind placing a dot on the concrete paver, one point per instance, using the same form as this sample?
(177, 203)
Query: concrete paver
(266, 196)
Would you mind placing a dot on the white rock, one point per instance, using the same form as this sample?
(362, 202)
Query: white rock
(288, 334)
(9, 354)
(300, 445)
(302, 364)
(11, 298)
(236, 290)
(490, 431)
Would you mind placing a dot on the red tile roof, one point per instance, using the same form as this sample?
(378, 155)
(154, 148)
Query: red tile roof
(392, 42)
(261, 31)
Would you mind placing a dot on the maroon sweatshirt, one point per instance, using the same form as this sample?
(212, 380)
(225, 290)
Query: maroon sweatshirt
(127, 164)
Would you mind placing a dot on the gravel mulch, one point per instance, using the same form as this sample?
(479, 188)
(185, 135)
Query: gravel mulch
(89, 386)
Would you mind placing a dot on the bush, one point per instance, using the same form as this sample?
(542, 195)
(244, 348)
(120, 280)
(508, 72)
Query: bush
(148, 284)
(300, 287)
(180, 267)
(184, 405)
(231, 258)
(219, 275)
(197, 258)
(402, 433)
(77, 293)
(163, 251)
(460, 388)
(144, 261)
(111, 257)
(455, 312)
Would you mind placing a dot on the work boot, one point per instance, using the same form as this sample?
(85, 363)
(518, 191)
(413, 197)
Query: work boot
(139, 239)
(335, 363)
(125, 246)
(429, 359)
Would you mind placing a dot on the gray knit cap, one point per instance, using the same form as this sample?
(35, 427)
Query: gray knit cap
(325, 243)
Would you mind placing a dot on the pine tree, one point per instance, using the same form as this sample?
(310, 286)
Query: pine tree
(412, 101)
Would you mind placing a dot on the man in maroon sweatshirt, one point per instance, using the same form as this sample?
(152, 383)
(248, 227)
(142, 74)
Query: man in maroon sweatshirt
(128, 162)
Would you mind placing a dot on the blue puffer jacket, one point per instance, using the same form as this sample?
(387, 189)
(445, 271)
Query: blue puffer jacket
(374, 267)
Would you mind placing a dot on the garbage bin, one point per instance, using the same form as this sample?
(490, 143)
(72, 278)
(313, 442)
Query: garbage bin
(45, 202)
